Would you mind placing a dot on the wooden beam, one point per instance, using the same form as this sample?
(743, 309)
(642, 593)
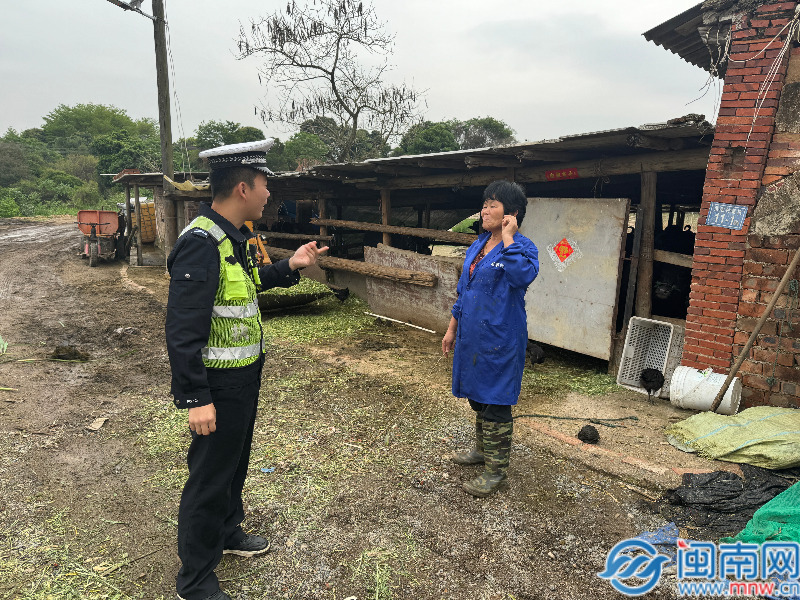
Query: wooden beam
(638, 140)
(644, 285)
(441, 163)
(386, 213)
(370, 270)
(549, 155)
(685, 160)
(480, 160)
(673, 258)
(275, 235)
(400, 171)
(430, 234)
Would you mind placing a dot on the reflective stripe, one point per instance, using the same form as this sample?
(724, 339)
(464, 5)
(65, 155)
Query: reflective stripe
(216, 232)
(236, 312)
(235, 353)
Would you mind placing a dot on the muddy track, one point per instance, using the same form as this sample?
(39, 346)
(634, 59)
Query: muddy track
(544, 538)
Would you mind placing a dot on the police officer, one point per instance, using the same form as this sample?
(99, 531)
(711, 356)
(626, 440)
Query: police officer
(214, 341)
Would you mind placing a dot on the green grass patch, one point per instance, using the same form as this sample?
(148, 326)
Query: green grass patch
(44, 562)
(565, 371)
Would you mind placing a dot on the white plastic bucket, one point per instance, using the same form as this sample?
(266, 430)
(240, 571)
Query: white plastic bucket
(696, 390)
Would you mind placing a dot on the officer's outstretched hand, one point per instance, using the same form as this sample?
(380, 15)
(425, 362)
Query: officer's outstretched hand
(306, 255)
(203, 419)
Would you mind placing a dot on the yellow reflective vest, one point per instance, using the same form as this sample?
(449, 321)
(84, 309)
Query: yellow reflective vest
(235, 339)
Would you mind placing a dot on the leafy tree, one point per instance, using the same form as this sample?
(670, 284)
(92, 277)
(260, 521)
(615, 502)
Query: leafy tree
(221, 133)
(481, 133)
(312, 59)
(122, 150)
(82, 166)
(13, 163)
(76, 127)
(427, 138)
(306, 149)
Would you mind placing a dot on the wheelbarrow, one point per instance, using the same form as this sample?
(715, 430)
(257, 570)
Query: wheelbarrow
(101, 235)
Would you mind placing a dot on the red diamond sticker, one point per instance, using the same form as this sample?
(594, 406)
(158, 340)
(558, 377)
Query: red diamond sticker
(563, 250)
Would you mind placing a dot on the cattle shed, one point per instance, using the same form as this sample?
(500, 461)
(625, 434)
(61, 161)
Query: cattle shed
(749, 227)
(382, 218)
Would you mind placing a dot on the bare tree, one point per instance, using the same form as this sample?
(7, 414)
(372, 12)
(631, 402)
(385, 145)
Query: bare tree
(329, 58)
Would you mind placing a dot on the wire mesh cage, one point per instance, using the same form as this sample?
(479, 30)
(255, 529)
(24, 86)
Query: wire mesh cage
(647, 346)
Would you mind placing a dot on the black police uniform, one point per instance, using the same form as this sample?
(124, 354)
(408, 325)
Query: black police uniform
(211, 511)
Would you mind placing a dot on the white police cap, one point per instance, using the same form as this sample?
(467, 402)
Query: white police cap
(247, 154)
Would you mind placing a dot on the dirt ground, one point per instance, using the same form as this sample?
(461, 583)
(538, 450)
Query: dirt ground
(349, 478)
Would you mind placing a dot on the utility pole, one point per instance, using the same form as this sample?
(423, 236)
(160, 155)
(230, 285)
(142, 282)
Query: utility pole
(164, 115)
(164, 120)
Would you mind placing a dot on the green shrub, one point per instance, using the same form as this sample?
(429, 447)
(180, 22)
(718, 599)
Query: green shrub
(8, 208)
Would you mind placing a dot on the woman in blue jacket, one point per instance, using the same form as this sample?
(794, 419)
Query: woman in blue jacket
(489, 330)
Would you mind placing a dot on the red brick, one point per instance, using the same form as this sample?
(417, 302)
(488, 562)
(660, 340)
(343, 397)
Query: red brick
(787, 374)
(751, 367)
(750, 295)
(782, 400)
(759, 283)
(741, 337)
(782, 241)
(756, 382)
(749, 309)
(747, 324)
(752, 397)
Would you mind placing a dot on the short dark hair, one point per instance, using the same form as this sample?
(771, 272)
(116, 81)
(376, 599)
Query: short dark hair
(511, 195)
(224, 180)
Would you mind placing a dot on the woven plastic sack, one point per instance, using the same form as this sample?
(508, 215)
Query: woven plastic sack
(764, 436)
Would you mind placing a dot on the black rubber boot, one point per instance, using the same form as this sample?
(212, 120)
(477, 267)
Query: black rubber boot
(497, 452)
(474, 456)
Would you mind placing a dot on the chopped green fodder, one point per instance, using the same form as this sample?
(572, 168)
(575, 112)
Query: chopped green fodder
(45, 562)
(564, 371)
(321, 319)
(165, 439)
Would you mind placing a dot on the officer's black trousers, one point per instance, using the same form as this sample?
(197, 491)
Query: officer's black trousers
(211, 510)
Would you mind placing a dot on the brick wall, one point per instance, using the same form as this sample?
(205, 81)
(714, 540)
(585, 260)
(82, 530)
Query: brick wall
(748, 153)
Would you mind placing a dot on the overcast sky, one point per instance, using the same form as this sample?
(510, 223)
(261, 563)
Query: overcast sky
(545, 68)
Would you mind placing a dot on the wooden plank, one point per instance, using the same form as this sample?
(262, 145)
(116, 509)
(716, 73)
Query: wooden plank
(427, 307)
(683, 160)
(276, 235)
(355, 266)
(439, 235)
(673, 258)
(644, 283)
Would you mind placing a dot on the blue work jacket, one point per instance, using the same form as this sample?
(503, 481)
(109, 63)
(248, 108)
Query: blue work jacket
(492, 330)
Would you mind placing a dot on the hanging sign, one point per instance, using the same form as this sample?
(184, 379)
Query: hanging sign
(731, 216)
(559, 174)
(564, 253)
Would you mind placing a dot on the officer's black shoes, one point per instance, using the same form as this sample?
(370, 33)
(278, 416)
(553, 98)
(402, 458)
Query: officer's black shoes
(251, 545)
(218, 595)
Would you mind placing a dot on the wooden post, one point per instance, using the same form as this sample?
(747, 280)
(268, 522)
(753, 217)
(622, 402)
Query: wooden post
(138, 225)
(427, 223)
(386, 211)
(644, 285)
(164, 121)
(128, 221)
(322, 210)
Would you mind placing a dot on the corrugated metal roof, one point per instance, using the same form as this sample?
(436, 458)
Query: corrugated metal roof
(696, 36)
